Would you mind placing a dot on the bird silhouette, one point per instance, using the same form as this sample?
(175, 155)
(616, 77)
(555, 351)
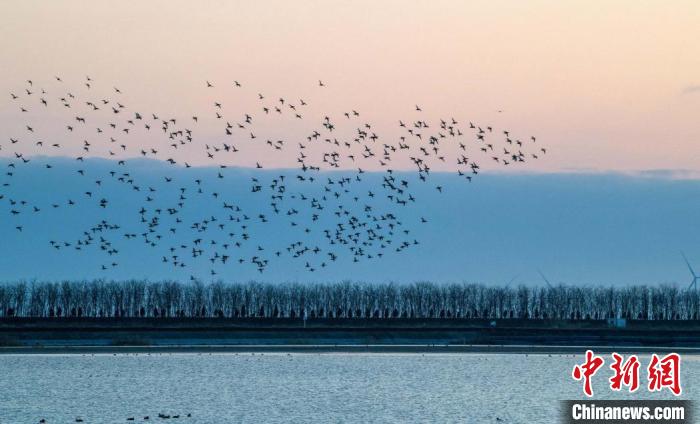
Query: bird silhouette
(329, 216)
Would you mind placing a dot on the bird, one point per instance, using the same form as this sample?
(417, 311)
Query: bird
(329, 215)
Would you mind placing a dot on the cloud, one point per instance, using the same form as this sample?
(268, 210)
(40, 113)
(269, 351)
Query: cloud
(691, 89)
(674, 174)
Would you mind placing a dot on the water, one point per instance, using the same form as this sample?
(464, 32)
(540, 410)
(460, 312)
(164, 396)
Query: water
(320, 388)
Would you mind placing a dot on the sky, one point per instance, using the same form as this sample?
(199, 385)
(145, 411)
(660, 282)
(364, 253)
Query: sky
(611, 89)
(582, 229)
(610, 86)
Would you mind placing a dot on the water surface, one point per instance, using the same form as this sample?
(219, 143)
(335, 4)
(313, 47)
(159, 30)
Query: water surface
(280, 387)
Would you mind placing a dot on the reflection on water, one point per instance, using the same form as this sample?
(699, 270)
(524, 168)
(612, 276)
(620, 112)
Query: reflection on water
(227, 388)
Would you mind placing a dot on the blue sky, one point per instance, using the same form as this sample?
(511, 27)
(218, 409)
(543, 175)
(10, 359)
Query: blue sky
(577, 228)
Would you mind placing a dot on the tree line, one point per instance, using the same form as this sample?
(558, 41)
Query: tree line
(135, 298)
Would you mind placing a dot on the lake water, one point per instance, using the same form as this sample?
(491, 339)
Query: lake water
(319, 388)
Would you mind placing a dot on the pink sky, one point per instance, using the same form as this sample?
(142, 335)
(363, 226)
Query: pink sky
(607, 86)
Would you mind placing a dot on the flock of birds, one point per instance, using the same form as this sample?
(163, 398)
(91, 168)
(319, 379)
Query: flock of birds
(331, 214)
(161, 416)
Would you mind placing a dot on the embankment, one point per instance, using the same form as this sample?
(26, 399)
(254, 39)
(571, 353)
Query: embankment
(264, 334)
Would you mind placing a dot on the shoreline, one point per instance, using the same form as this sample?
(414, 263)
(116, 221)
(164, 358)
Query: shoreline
(149, 335)
(341, 348)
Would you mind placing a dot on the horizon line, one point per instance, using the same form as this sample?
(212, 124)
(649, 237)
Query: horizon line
(679, 174)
